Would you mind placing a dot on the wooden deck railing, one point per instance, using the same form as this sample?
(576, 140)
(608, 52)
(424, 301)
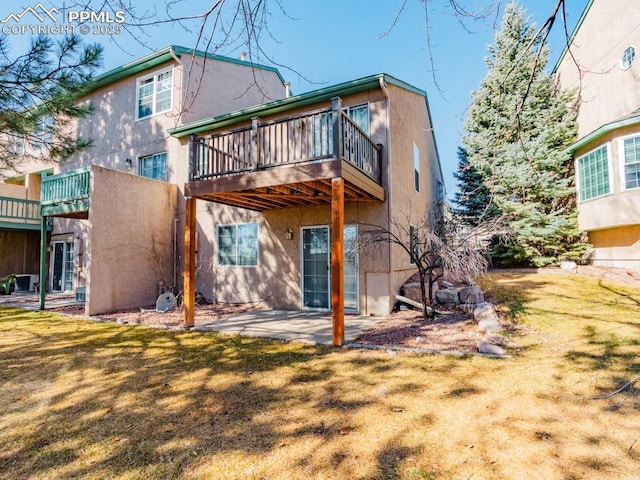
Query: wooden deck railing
(19, 210)
(66, 187)
(311, 136)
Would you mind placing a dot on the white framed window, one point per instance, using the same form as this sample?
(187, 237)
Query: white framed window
(43, 132)
(593, 174)
(153, 166)
(154, 94)
(440, 191)
(360, 115)
(630, 157)
(628, 56)
(416, 168)
(238, 245)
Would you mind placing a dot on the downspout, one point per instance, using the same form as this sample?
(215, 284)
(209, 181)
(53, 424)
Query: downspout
(176, 220)
(383, 87)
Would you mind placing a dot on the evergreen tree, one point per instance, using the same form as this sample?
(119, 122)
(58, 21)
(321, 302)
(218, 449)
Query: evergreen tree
(40, 95)
(518, 128)
(473, 199)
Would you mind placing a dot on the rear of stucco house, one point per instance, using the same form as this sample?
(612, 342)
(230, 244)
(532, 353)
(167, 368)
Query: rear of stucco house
(602, 67)
(279, 208)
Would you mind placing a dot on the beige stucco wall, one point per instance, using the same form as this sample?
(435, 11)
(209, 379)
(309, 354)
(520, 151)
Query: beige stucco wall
(616, 247)
(130, 240)
(607, 91)
(410, 124)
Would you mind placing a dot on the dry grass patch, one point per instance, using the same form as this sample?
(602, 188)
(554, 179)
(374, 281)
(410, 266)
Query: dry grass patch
(98, 400)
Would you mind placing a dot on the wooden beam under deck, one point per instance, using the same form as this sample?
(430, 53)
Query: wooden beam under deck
(190, 263)
(337, 260)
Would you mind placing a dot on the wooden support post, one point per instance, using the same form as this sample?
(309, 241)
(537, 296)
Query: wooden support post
(42, 281)
(337, 259)
(189, 290)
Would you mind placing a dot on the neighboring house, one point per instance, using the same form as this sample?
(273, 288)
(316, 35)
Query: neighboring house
(114, 234)
(601, 65)
(279, 193)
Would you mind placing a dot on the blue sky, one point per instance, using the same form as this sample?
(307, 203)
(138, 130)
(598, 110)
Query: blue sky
(321, 43)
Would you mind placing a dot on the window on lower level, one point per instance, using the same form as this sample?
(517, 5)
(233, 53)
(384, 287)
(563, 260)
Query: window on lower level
(414, 244)
(416, 168)
(154, 166)
(238, 245)
(631, 152)
(593, 174)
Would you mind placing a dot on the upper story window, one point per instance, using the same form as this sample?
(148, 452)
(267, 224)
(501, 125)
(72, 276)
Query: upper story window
(238, 245)
(154, 166)
(631, 170)
(628, 56)
(15, 144)
(154, 94)
(43, 132)
(360, 115)
(416, 168)
(593, 174)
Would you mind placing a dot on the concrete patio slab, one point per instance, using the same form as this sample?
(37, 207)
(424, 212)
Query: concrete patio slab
(297, 325)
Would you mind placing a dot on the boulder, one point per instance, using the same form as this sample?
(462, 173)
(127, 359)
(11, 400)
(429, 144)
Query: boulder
(484, 311)
(568, 265)
(467, 308)
(444, 284)
(412, 291)
(471, 294)
(484, 347)
(496, 339)
(449, 295)
(489, 325)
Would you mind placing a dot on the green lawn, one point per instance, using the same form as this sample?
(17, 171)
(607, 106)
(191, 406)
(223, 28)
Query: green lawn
(100, 401)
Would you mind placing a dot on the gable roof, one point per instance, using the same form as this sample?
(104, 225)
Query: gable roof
(295, 101)
(573, 35)
(164, 55)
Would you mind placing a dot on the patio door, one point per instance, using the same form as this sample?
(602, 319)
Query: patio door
(62, 278)
(316, 268)
(316, 284)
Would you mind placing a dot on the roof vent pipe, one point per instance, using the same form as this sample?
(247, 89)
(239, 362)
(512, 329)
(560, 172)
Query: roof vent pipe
(243, 55)
(287, 89)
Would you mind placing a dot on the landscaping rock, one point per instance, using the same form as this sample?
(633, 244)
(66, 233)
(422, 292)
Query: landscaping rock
(489, 326)
(444, 284)
(467, 308)
(484, 311)
(484, 347)
(471, 294)
(449, 295)
(568, 265)
(496, 339)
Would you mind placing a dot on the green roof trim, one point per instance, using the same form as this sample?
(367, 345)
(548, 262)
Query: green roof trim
(162, 56)
(573, 35)
(628, 121)
(296, 101)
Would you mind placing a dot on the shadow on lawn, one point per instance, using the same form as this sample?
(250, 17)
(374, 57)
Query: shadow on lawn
(102, 400)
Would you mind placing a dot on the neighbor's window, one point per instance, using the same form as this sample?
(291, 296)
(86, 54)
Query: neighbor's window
(416, 168)
(360, 115)
(440, 191)
(593, 174)
(15, 144)
(154, 94)
(414, 244)
(628, 56)
(43, 132)
(631, 148)
(238, 245)
(154, 166)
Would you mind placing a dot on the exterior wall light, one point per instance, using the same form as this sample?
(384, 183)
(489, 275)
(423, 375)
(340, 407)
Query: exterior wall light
(289, 234)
